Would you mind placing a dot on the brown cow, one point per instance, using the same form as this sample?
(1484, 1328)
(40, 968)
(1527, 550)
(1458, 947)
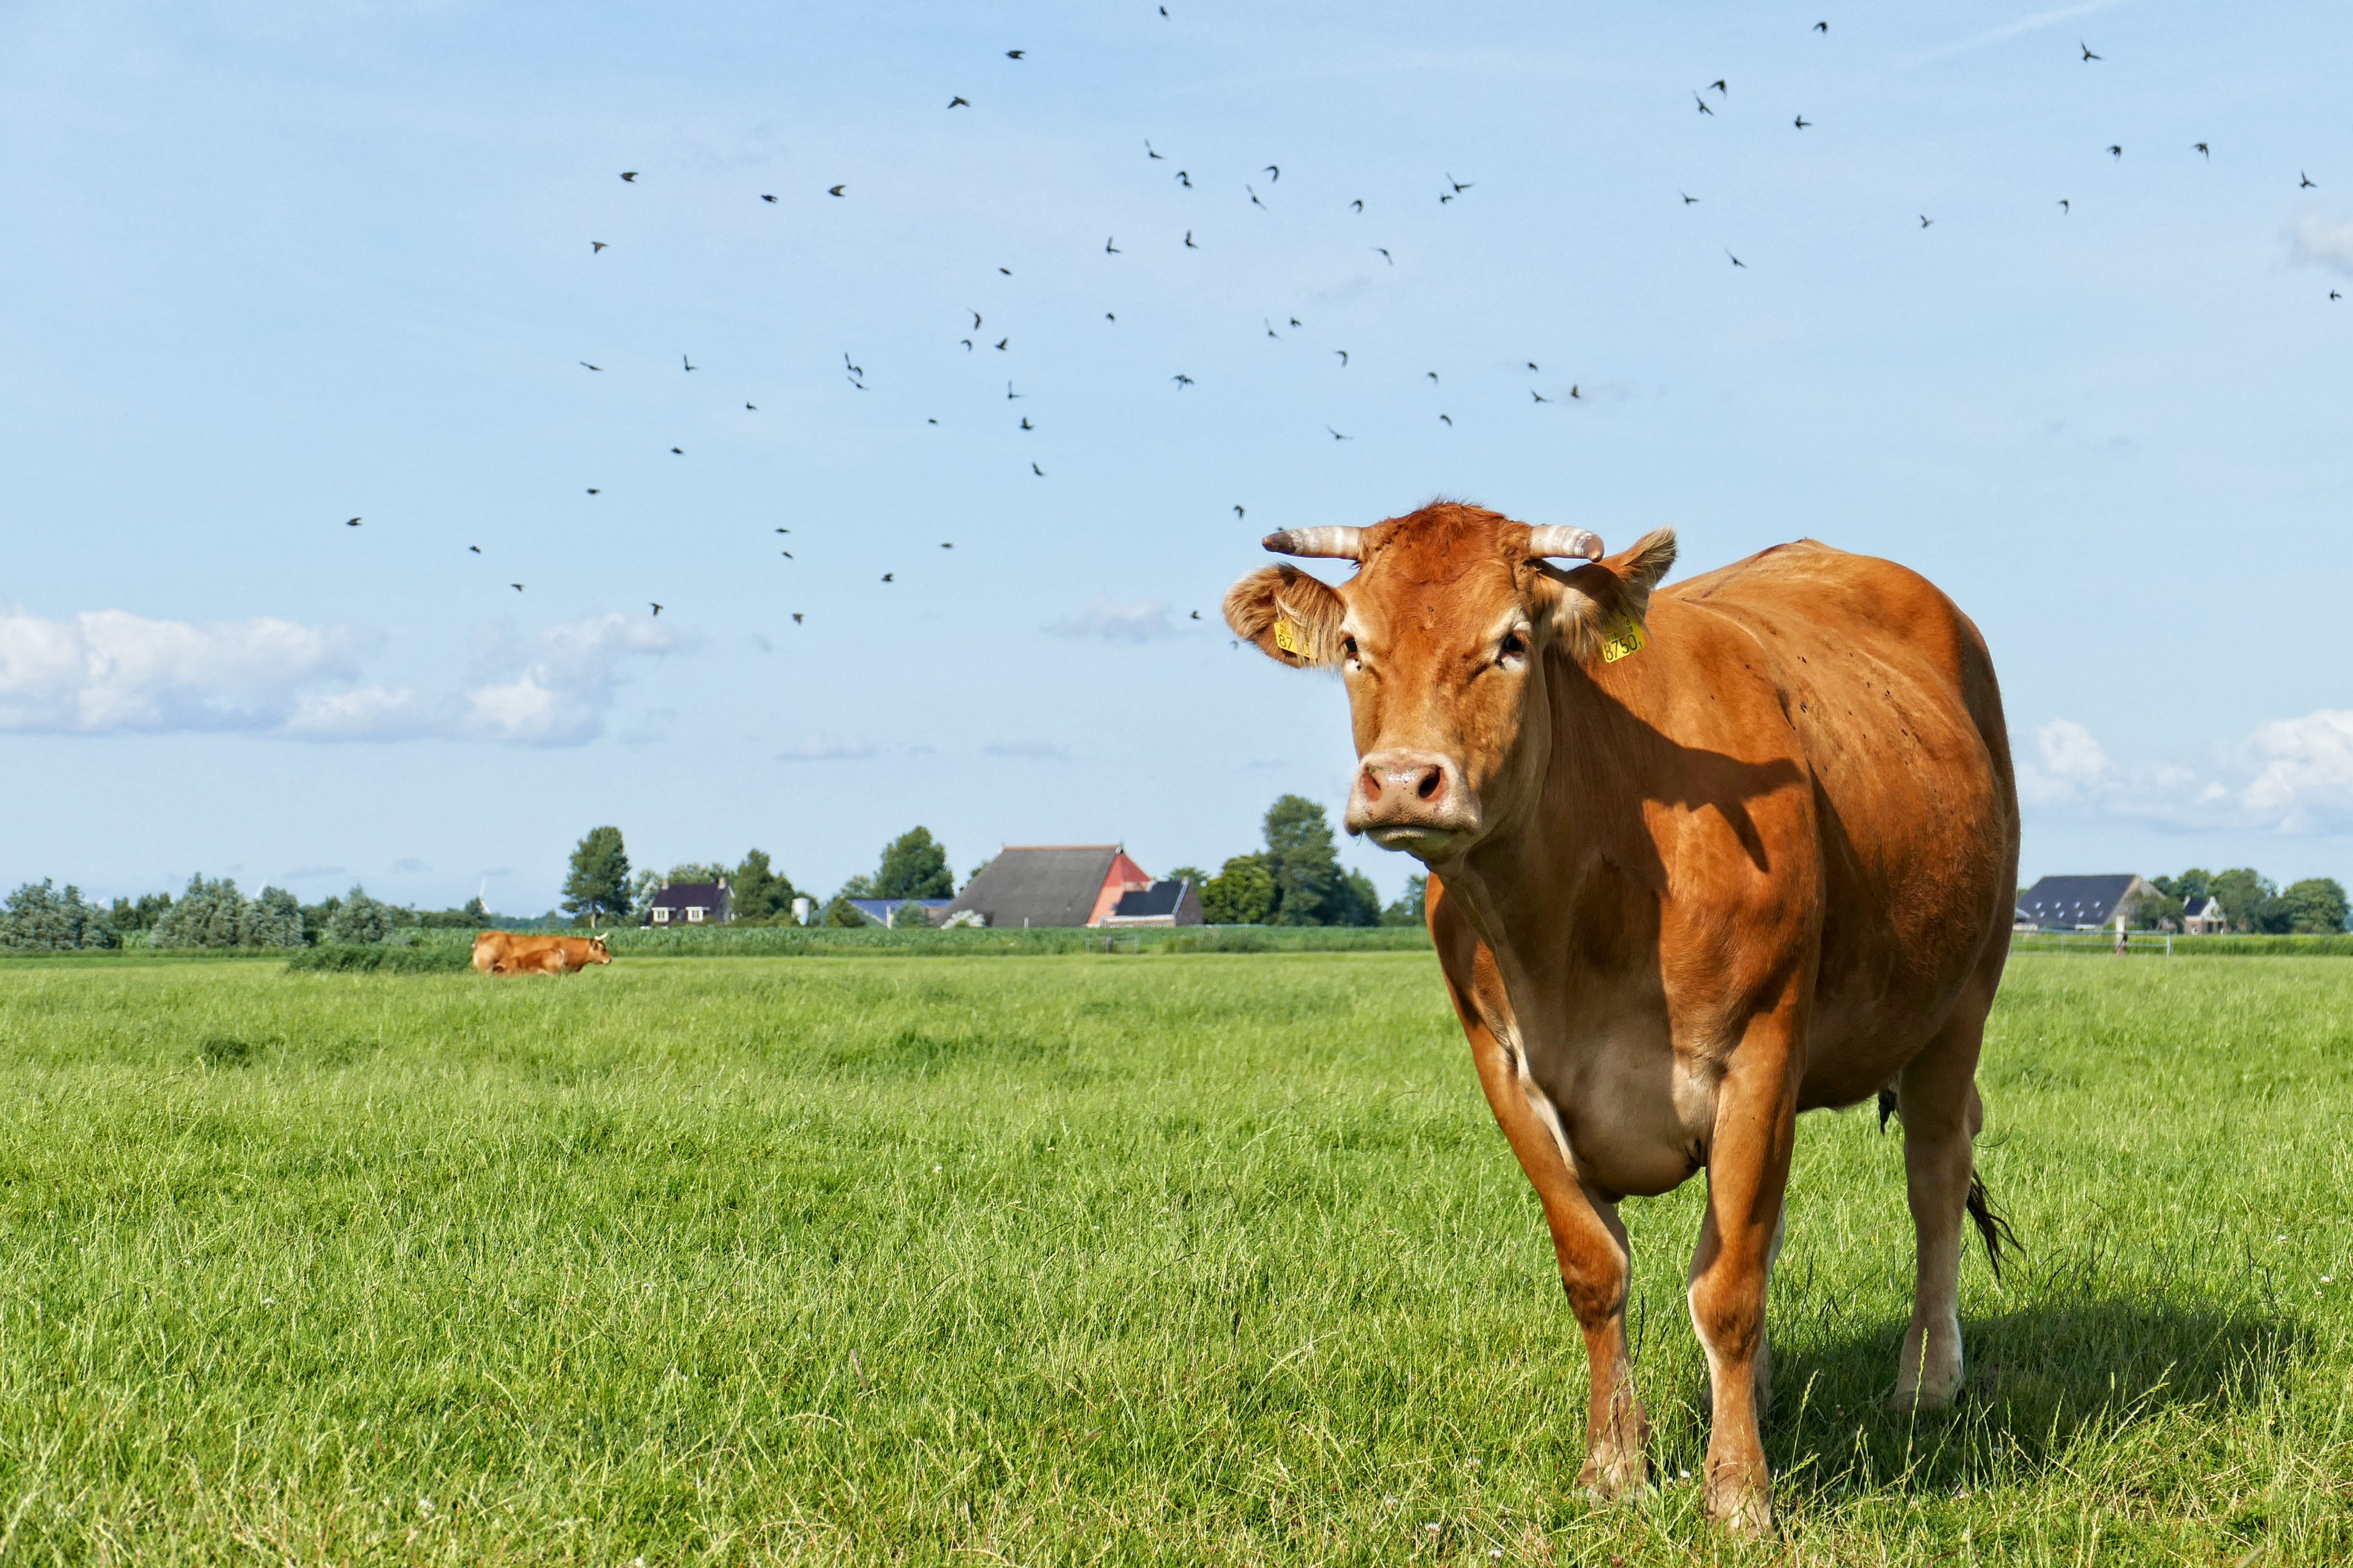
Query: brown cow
(1699, 861)
(503, 952)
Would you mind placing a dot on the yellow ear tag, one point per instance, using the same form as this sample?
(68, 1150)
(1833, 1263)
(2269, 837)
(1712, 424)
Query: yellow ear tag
(1287, 637)
(1625, 641)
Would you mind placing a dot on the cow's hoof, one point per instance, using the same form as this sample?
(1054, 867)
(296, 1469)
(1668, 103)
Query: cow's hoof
(1606, 1477)
(1742, 1507)
(1927, 1397)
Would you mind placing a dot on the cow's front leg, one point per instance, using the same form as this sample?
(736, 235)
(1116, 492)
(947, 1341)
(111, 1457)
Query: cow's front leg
(1747, 1178)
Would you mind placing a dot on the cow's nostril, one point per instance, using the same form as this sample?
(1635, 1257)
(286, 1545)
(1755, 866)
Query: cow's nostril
(1432, 781)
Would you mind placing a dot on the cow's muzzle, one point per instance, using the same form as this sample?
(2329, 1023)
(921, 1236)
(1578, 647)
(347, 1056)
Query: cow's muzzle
(1411, 800)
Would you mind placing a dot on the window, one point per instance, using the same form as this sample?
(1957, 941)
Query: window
(661, 917)
(694, 913)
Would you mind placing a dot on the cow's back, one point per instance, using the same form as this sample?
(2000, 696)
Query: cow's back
(1891, 694)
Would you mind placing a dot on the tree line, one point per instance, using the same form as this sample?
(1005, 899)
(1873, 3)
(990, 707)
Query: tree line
(2250, 902)
(40, 917)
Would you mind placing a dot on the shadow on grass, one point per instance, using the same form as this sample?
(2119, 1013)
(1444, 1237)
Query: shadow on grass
(2053, 1372)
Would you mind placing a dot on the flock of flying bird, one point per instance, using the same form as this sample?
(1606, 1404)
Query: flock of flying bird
(1452, 191)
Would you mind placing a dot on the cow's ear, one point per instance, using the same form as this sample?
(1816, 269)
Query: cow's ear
(1597, 606)
(1294, 618)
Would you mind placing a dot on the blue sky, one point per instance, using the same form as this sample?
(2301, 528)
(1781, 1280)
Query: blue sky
(270, 268)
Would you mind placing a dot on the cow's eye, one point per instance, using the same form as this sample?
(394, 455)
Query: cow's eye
(1514, 646)
(1349, 645)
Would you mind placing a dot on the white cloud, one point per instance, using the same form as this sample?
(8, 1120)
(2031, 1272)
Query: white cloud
(112, 672)
(2321, 243)
(829, 749)
(1138, 620)
(554, 687)
(105, 671)
(2290, 776)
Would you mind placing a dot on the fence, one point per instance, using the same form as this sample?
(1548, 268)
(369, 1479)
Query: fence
(2162, 944)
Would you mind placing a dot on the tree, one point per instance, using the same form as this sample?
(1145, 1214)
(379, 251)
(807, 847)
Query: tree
(642, 889)
(599, 880)
(840, 911)
(38, 918)
(2248, 900)
(1193, 874)
(141, 915)
(911, 916)
(758, 893)
(914, 866)
(2314, 904)
(1306, 868)
(361, 921)
(274, 918)
(209, 914)
(475, 910)
(2194, 883)
(1412, 909)
(1241, 894)
(2147, 911)
(700, 871)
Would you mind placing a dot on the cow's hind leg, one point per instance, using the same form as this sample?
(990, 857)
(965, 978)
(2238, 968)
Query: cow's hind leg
(1937, 1096)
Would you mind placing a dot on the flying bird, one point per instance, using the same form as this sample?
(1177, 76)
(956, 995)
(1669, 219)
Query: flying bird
(797, 617)
(1689, 201)
(1337, 437)
(585, 363)
(1037, 470)
(1294, 321)
(2115, 151)
(2088, 55)
(2199, 148)
(1433, 376)
(853, 369)
(680, 451)
(1109, 249)
(888, 577)
(1196, 615)
(1821, 27)
(516, 586)
(976, 320)
(1273, 175)
(1188, 241)
(1185, 179)
(1532, 364)
(657, 607)
(968, 345)
(1182, 380)
(1255, 202)
(1539, 396)
(946, 546)
(784, 530)
(1344, 357)
(835, 190)
(1448, 422)
(1240, 513)
(1009, 394)
(1736, 261)
(2063, 207)
(1015, 54)
(1718, 85)
(1002, 341)
(686, 360)
(959, 103)
(1007, 270)
(1801, 122)
(1704, 108)
(593, 490)
(1147, 149)
(1025, 423)
(785, 553)
(1359, 205)
(630, 175)
(766, 197)
(1925, 220)
(753, 406)
(2304, 182)
(1269, 328)
(1574, 393)
(1109, 316)
(351, 523)
(475, 548)
(595, 246)
(1387, 256)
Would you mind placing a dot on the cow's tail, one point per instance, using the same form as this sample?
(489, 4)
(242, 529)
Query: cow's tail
(1993, 1225)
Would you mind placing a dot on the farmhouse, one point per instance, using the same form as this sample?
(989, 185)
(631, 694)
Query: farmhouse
(2079, 903)
(1068, 885)
(689, 903)
(2203, 917)
(1167, 902)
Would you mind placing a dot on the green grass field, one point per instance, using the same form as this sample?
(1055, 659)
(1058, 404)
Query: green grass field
(1079, 1260)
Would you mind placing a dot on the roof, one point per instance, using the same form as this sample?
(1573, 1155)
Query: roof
(1039, 884)
(2076, 901)
(1157, 901)
(690, 896)
(2200, 908)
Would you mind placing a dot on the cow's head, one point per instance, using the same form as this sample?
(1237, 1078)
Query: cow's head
(1444, 638)
(598, 951)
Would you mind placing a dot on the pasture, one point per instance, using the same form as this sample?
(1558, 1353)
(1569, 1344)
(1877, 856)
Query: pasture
(1162, 1259)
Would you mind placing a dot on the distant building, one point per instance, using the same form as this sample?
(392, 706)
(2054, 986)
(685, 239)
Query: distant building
(1051, 885)
(689, 903)
(1165, 903)
(2203, 917)
(879, 911)
(2079, 903)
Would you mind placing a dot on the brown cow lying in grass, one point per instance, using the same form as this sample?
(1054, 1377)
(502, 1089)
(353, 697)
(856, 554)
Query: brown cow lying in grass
(503, 952)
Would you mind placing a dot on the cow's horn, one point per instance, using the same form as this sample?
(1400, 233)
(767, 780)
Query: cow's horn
(1344, 544)
(1555, 540)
